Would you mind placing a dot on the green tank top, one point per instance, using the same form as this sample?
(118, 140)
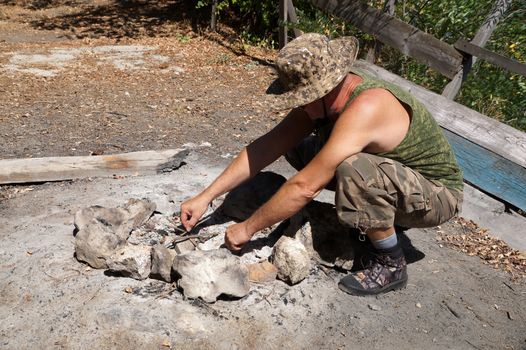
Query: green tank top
(424, 148)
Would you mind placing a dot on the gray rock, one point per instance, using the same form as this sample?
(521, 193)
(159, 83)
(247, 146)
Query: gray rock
(139, 210)
(184, 247)
(103, 231)
(245, 199)
(95, 242)
(374, 307)
(291, 259)
(132, 261)
(162, 261)
(121, 220)
(327, 241)
(208, 274)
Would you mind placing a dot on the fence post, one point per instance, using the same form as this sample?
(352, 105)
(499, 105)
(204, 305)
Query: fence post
(213, 16)
(283, 22)
(372, 54)
(293, 18)
(481, 38)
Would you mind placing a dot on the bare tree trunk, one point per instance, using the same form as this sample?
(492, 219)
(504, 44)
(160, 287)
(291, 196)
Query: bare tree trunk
(213, 17)
(481, 38)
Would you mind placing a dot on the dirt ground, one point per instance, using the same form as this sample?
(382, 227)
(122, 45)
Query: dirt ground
(90, 77)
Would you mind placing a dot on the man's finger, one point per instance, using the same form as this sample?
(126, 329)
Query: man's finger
(191, 223)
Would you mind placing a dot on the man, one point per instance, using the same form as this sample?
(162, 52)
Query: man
(379, 148)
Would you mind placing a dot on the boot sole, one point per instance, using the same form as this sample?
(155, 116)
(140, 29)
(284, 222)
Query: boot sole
(363, 292)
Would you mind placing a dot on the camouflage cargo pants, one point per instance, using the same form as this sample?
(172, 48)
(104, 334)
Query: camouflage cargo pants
(377, 192)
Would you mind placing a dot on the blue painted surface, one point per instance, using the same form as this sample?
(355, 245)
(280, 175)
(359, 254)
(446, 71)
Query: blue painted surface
(490, 172)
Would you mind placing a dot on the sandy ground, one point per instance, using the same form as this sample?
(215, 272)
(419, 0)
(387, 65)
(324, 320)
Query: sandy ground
(51, 300)
(76, 90)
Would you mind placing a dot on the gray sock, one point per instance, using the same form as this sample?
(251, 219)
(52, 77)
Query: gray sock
(386, 243)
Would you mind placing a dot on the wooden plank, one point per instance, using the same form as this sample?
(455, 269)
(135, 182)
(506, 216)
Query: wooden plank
(391, 31)
(481, 38)
(67, 168)
(282, 31)
(497, 137)
(491, 57)
(490, 172)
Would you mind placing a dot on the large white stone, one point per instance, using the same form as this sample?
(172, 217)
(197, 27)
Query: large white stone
(95, 243)
(103, 231)
(209, 274)
(132, 261)
(327, 241)
(162, 261)
(291, 259)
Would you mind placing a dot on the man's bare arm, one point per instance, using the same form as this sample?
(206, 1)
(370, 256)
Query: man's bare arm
(366, 122)
(252, 159)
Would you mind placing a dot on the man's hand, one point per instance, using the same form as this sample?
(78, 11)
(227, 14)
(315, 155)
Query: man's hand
(236, 236)
(192, 210)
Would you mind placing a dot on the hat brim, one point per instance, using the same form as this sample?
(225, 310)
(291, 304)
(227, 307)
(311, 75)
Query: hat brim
(345, 50)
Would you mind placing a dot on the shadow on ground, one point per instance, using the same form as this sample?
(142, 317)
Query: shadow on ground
(123, 19)
(329, 238)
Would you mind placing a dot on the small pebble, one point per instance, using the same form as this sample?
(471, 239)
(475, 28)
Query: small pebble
(418, 305)
(374, 307)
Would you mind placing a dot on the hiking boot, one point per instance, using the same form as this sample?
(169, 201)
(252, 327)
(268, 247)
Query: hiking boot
(383, 271)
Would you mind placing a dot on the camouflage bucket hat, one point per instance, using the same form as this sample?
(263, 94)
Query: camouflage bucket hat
(309, 67)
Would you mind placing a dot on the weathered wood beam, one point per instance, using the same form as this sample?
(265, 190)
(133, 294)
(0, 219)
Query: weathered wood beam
(490, 172)
(490, 134)
(491, 57)
(481, 38)
(67, 168)
(409, 40)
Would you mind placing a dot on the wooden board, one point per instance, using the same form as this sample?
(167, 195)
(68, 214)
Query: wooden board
(66, 168)
(393, 32)
(488, 133)
(491, 57)
(490, 172)
(481, 38)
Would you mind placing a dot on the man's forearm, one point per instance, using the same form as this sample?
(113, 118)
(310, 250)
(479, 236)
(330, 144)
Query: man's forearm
(290, 198)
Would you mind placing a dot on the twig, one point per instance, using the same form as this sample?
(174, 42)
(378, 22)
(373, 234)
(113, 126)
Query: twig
(507, 285)
(94, 295)
(184, 232)
(195, 244)
(201, 239)
(167, 293)
(265, 296)
(453, 311)
(473, 345)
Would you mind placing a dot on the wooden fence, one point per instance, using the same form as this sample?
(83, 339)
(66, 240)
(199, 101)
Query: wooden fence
(492, 155)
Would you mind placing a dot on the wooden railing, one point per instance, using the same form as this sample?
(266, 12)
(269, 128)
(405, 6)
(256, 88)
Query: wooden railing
(452, 61)
(491, 154)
